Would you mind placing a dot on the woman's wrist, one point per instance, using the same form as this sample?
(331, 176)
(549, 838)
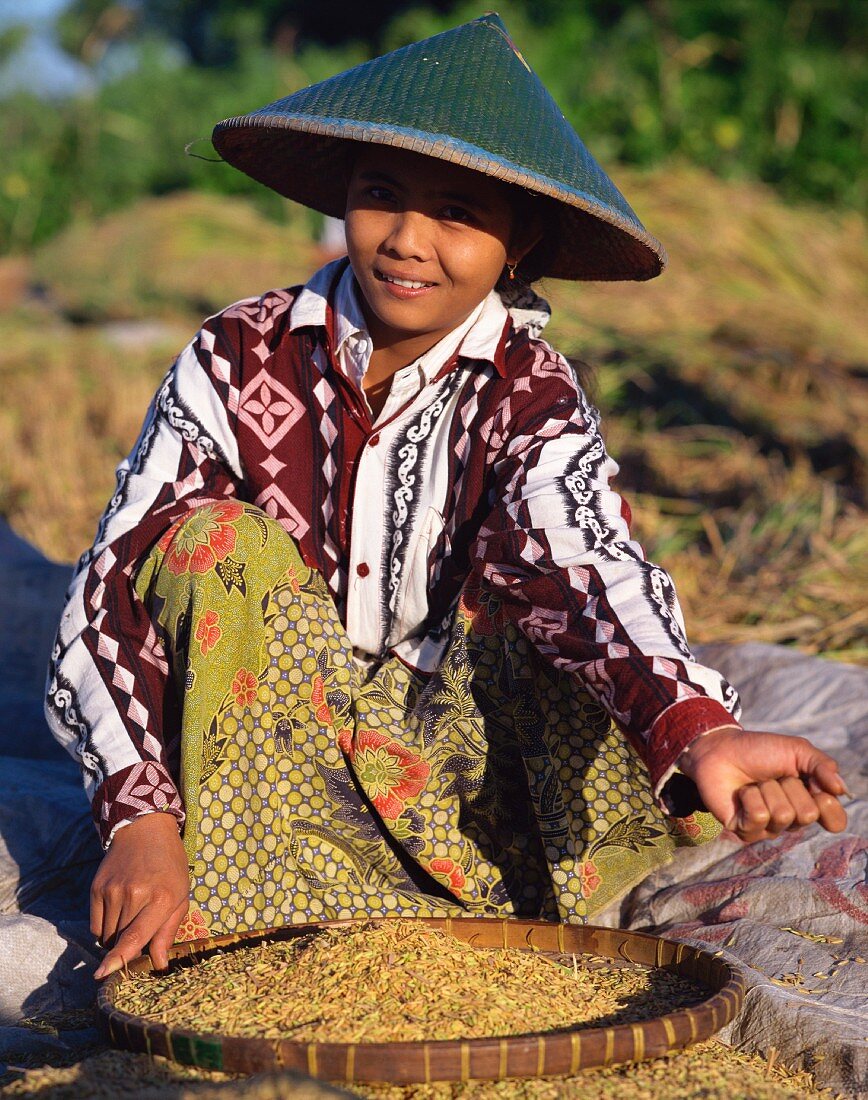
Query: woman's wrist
(702, 745)
(153, 822)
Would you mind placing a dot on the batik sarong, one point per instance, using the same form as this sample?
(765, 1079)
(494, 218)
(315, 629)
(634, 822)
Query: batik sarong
(318, 788)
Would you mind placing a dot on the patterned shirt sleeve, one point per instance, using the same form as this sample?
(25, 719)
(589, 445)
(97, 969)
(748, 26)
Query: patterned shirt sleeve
(557, 548)
(109, 699)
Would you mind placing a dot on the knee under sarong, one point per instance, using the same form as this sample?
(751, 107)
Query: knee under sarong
(316, 789)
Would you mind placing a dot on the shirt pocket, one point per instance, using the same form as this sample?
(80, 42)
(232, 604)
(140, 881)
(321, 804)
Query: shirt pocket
(411, 606)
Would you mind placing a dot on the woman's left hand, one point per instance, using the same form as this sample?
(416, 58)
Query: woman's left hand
(759, 784)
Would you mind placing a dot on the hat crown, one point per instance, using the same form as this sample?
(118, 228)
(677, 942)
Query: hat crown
(466, 96)
(476, 89)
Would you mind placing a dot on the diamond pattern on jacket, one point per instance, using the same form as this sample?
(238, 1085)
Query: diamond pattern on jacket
(268, 408)
(278, 505)
(148, 787)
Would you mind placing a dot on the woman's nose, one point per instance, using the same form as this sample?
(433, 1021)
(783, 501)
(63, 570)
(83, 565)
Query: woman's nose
(407, 236)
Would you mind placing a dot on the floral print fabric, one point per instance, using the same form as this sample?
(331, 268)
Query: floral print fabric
(313, 791)
(490, 467)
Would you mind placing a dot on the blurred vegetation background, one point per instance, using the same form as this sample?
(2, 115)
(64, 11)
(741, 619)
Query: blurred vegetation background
(734, 389)
(773, 90)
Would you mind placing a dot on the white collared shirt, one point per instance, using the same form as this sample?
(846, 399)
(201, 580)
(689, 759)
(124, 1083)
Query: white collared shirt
(494, 467)
(418, 493)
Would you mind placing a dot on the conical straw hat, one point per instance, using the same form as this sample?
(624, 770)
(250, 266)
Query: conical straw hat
(466, 96)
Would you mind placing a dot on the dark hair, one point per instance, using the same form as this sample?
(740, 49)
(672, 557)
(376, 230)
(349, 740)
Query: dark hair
(532, 208)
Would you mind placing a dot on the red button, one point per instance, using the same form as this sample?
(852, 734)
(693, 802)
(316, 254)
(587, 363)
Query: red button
(363, 569)
(374, 440)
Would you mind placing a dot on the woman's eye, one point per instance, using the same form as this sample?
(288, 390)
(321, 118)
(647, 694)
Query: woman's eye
(457, 214)
(380, 194)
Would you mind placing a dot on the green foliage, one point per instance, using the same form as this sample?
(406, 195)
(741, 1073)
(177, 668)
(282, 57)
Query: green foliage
(215, 32)
(88, 156)
(766, 89)
(79, 26)
(11, 40)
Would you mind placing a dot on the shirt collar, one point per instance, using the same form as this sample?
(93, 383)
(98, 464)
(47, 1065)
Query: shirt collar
(330, 300)
(349, 320)
(311, 306)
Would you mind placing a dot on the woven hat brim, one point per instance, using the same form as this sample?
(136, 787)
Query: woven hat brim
(307, 159)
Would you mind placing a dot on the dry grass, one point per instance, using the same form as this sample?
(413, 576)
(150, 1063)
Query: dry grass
(706, 1071)
(183, 256)
(733, 389)
(80, 360)
(709, 1071)
(73, 405)
(741, 262)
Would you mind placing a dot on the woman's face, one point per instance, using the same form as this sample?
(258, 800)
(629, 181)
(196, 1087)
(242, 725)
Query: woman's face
(427, 241)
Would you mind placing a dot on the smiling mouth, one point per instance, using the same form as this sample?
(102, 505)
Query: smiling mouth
(408, 284)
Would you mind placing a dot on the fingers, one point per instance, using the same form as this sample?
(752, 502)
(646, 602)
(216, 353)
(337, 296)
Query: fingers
(804, 808)
(751, 816)
(106, 905)
(827, 778)
(820, 772)
(164, 937)
(759, 784)
(113, 906)
(766, 809)
(156, 917)
(826, 787)
(141, 887)
(97, 910)
(144, 911)
(130, 944)
(833, 816)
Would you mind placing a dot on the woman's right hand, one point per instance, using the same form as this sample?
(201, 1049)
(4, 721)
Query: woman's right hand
(759, 784)
(140, 893)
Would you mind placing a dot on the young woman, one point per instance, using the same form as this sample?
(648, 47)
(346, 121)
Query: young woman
(363, 630)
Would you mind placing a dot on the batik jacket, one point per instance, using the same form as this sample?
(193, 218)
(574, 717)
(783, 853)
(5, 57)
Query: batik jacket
(486, 466)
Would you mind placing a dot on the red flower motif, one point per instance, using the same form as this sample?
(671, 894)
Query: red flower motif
(244, 687)
(318, 704)
(193, 928)
(294, 583)
(208, 633)
(688, 825)
(590, 877)
(448, 873)
(196, 542)
(484, 611)
(389, 773)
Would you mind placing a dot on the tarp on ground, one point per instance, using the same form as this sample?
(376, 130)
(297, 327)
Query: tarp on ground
(792, 912)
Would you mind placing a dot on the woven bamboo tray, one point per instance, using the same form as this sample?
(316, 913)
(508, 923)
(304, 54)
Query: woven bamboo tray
(554, 1053)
